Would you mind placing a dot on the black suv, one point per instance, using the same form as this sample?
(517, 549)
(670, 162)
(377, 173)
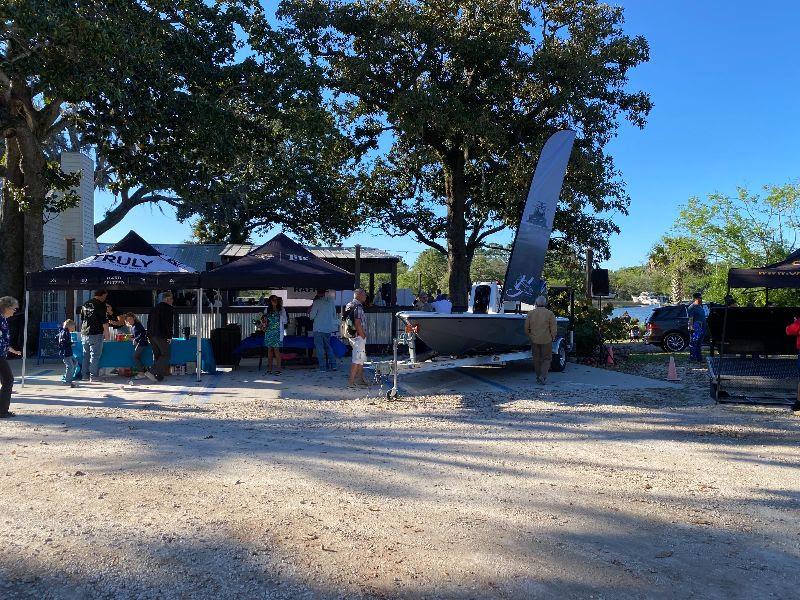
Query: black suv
(668, 327)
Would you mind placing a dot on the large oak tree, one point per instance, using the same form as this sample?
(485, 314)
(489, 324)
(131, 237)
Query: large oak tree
(457, 100)
(132, 76)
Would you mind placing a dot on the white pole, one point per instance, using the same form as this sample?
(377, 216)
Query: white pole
(25, 336)
(198, 331)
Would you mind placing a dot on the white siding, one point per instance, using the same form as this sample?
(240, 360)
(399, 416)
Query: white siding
(76, 222)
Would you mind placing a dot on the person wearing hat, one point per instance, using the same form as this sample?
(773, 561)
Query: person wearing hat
(697, 327)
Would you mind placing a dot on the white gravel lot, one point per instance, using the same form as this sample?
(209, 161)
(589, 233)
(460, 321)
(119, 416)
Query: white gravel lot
(247, 488)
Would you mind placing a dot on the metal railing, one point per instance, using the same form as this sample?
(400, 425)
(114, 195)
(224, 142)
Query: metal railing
(380, 322)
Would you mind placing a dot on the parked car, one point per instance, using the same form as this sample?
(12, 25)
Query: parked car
(668, 327)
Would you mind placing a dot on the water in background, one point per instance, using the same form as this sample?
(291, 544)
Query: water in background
(637, 312)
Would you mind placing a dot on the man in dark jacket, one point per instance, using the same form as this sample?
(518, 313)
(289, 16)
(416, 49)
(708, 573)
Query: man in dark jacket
(94, 321)
(159, 330)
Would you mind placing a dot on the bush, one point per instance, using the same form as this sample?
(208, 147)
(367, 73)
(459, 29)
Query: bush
(588, 335)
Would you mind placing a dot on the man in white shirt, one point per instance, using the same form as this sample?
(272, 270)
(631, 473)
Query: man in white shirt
(443, 305)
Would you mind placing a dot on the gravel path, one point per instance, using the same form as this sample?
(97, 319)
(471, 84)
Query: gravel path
(242, 490)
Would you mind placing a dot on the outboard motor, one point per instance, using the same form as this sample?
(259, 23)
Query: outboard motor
(484, 298)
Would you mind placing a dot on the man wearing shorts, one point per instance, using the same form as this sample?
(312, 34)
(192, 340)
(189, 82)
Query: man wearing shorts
(359, 341)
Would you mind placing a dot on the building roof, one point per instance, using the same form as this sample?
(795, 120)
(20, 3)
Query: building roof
(324, 252)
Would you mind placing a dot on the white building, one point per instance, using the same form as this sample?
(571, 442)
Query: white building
(74, 226)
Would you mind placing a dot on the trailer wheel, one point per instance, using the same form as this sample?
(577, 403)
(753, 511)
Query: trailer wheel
(559, 362)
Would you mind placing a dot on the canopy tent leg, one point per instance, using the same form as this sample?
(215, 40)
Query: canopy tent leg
(721, 351)
(198, 331)
(25, 337)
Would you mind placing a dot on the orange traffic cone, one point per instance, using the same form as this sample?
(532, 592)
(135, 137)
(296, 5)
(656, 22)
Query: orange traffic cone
(672, 371)
(610, 356)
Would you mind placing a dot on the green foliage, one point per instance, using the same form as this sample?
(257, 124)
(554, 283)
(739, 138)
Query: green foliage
(746, 230)
(488, 265)
(678, 257)
(631, 281)
(464, 95)
(593, 326)
(433, 267)
(161, 92)
(564, 267)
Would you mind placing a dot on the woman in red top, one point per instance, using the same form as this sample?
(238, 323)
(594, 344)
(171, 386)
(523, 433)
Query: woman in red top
(794, 330)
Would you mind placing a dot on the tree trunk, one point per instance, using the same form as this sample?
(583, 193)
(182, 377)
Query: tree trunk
(12, 223)
(33, 166)
(458, 255)
(677, 286)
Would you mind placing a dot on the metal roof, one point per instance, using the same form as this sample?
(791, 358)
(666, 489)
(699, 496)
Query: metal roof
(324, 252)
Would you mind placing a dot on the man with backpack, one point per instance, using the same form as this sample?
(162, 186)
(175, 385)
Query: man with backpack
(94, 320)
(354, 329)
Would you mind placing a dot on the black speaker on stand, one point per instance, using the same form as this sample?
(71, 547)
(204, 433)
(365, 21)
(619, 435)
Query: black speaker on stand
(600, 289)
(600, 285)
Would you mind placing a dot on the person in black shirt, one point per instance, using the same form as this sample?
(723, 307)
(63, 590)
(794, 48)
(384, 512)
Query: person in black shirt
(159, 330)
(94, 320)
(113, 318)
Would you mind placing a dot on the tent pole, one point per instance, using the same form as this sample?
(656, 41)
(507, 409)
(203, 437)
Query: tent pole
(722, 347)
(25, 337)
(198, 332)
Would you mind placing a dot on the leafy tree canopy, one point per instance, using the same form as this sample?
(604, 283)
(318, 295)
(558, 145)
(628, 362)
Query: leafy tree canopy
(464, 95)
(748, 229)
(678, 257)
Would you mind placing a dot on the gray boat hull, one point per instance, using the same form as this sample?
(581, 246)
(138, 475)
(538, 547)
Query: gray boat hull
(468, 333)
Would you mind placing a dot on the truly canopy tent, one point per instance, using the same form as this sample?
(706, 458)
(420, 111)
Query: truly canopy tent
(278, 264)
(755, 333)
(131, 264)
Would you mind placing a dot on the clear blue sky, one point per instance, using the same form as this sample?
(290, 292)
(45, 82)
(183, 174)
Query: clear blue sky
(725, 79)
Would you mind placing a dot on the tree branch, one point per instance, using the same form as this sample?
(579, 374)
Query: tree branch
(488, 232)
(5, 79)
(3, 172)
(127, 203)
(422, 238)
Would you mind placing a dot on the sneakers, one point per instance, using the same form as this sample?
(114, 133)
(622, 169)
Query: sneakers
(141, 375)
(796, 406)
(7, 415)
(151, 377)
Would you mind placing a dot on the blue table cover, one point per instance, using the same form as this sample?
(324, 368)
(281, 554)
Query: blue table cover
(120, 354)
(291, 342)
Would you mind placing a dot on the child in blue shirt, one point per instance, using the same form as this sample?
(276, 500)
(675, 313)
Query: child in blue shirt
(65, 351)
(140, 343)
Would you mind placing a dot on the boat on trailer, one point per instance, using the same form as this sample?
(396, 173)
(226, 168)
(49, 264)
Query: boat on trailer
(484, 329)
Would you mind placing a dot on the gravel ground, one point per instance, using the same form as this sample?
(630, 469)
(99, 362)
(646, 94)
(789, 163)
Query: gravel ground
(242, 489)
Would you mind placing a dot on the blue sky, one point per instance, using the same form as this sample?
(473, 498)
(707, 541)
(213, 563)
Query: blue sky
(725, 79)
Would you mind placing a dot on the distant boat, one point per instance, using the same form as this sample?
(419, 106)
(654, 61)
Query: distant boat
(647, 298)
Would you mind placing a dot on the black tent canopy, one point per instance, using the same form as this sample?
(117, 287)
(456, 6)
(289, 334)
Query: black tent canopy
(754, 330)
(131, 264)
(279, 263)
(781, 275)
